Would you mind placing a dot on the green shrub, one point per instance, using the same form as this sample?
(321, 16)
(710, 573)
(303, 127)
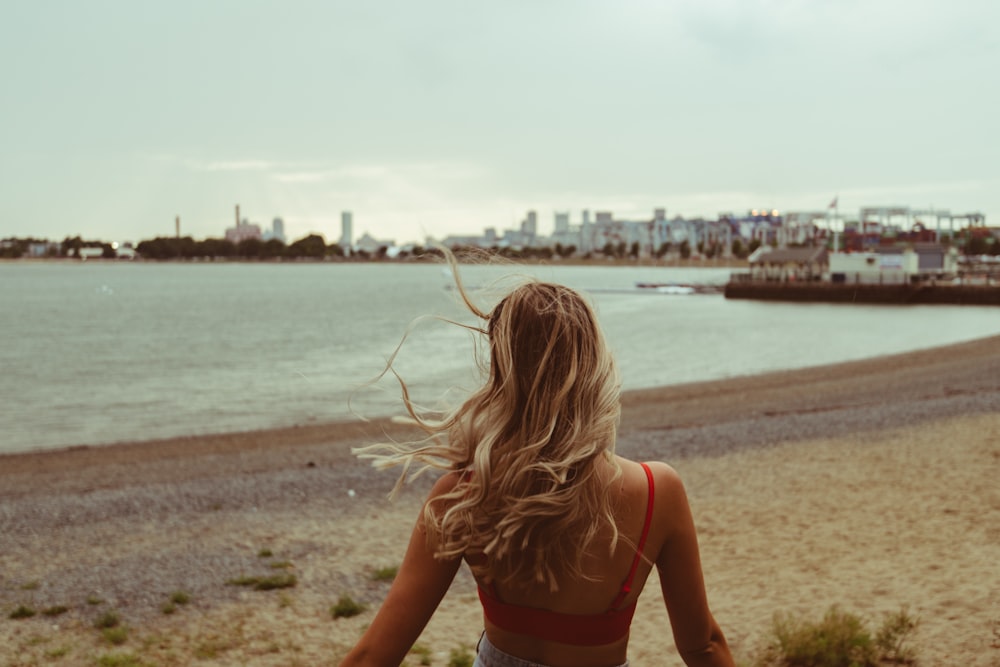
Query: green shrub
(275, 581)
(840, 639)
(385, 573)
(21, 612)
(892, 635)
(119, 660)
(117, 635)
(423, 652)
(180, 597)
(176, 598)
(213, 646)
(264, 553)
(57, 610)
(58, 652)
(460, 657)
(243, 581)
(107, 620)
(346, 607)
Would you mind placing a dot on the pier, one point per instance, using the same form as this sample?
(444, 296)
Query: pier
(921, 293)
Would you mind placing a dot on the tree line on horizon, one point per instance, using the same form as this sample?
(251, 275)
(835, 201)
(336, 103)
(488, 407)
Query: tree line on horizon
(314, 247)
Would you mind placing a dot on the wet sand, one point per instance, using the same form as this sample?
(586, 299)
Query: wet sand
(870, 485)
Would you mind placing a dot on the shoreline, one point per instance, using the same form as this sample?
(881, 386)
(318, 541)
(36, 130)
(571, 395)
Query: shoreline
(672, 262)
(927, 373)
(866, 484)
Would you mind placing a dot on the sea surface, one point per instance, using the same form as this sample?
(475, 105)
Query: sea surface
(95, 353)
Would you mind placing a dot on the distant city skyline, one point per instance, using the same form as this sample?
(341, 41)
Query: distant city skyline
(941, 219)
(433, 119)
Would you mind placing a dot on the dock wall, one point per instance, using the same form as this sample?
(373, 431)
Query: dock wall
(971, 295)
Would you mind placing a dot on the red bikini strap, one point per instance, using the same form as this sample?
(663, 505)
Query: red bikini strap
(627, 585)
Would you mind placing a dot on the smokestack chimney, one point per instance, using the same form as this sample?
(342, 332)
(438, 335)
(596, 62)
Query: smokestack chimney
(237, 216)
(177, 226)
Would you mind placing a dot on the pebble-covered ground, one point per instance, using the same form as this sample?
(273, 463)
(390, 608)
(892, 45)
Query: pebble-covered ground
(123, 527)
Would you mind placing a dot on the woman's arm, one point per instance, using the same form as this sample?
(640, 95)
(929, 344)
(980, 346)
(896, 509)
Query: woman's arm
(698, 637)
(420, 584)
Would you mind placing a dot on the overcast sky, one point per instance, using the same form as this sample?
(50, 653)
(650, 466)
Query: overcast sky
(430, 117)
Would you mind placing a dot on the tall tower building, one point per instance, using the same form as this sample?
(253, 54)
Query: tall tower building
(346, 230)
(529, 228)
(562, 222)
(586, 233)
(278, 229)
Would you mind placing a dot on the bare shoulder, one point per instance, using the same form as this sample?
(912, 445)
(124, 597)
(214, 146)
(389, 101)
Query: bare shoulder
(669, 495)
(445, 484)
(440, 497)
(665, 478)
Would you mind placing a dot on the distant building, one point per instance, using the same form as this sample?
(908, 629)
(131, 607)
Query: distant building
(895, 264)
(243, 231)
(277, 231)
(529, 229)
(370, 244)
(789, 264)
(565, 234)
(346, 230)
(764, 226)
(561, 222)
(606, 231)
(465, 240)
(42, 249)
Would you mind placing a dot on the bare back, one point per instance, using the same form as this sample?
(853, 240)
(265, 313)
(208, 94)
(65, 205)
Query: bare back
(605, 572)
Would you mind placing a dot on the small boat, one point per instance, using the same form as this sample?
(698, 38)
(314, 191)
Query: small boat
(679, 288)
(675, 289)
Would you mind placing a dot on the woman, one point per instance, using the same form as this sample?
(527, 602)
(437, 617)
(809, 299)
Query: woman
(559, 532)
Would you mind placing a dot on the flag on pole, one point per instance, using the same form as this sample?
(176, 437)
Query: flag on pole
(833, 204)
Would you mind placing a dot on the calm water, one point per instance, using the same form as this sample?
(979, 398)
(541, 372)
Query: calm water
(97, 353)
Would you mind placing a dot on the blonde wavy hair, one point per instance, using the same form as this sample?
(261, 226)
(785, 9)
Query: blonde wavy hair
(531, 496)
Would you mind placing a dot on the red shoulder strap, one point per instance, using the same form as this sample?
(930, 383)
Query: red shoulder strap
(627, 584)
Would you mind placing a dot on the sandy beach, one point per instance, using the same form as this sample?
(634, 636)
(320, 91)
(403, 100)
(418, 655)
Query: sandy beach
(870, 485)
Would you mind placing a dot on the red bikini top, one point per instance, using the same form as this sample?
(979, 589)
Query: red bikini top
(576, 629)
